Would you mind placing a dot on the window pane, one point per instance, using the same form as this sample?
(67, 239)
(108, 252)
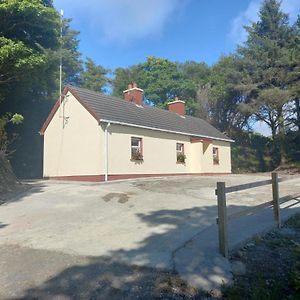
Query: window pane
(179, 148)
(216, 155)
(136, 148)
(135, 142)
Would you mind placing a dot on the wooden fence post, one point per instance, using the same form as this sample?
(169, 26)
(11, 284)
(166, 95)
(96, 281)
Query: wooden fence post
(222, 219)
(276, 206)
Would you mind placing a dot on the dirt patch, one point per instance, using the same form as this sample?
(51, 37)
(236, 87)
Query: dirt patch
(288, 169)
(120, 197)
(269, 266)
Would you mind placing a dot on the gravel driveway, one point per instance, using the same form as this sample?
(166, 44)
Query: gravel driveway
(56, 229)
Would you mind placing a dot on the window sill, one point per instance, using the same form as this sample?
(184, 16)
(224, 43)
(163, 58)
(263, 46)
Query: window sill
(216, 163)
(137, 160)
(180, 162)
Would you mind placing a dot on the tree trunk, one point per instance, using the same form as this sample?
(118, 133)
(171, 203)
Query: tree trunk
(297, 122)
(297, 106)
(281, 140)
(7, 178)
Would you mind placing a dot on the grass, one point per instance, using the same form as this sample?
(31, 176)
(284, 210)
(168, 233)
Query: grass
(272, 266)
(296, 164)
(294, 222)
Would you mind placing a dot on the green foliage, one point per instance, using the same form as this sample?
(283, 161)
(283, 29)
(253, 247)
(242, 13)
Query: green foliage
(294, 278)
(30, 44)
(31, 22)
(273, 268)
(270, 70)
(181, 158)
(93, 76)
(4, 121)
(17, 119)
(71, 62)
(162, 80)
(225, 95)
(294, 221)
(16, 61)
(252, 153)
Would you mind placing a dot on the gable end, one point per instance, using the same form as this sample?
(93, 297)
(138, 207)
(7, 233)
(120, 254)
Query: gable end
(56, 107)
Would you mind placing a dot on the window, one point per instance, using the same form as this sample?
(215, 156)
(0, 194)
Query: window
(216, 155)
(136, 148)
(180, 153)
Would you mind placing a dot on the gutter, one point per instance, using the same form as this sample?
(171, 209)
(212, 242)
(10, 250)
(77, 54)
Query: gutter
(164, 130)
(106, 152)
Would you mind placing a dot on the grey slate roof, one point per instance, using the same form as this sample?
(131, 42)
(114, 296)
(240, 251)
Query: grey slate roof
(117, 110)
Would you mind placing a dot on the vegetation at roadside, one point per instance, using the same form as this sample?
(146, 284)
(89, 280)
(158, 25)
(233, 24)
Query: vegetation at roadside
(272, 266)
(258, 82)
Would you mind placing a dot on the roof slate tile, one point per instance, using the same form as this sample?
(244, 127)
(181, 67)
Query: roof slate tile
(113, 109)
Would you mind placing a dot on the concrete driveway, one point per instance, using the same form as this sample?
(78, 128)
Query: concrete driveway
(59, 225)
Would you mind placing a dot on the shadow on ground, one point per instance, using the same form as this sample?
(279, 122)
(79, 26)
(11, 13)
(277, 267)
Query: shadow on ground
(21, 192)
(114, 276)
(2, 225)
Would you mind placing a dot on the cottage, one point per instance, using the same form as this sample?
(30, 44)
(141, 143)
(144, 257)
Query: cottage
(95, 137)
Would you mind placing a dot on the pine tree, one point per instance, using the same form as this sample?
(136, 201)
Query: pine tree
(266, 59)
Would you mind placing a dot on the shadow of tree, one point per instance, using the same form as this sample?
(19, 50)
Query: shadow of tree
(103, 278)
(3, 225)
(144, 272)
(21, 193)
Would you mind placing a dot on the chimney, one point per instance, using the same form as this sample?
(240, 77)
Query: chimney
(177, 106)
(134, 94)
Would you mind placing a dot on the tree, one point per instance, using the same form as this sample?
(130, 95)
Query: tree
(162, 80)
(266, 62)
(29, 70)
(28, 33)
(294, 75)
(93, 76)
(220, 98)
(71, 61)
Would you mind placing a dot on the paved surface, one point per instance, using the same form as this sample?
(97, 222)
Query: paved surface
(60, 237)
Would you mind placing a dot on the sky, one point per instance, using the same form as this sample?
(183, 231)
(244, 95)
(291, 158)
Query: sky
(120, 33)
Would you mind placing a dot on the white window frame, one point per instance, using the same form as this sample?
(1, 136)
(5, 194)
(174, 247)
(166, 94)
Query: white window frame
(179, 150)
(138, 147)
(216, 155)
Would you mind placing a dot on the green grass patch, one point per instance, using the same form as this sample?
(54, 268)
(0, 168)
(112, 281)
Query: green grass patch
(296, 164)
(272, 266)
(294, 221)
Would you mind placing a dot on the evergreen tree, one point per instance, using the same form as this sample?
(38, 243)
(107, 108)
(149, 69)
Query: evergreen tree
(266, 61)
(222, 96)
(93, 76)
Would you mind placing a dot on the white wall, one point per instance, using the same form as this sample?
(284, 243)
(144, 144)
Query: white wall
(73, 149)
(159, 151)
(224, 165)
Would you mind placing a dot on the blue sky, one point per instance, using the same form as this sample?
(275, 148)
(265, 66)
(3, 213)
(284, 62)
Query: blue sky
(120, 33)
(124, 32)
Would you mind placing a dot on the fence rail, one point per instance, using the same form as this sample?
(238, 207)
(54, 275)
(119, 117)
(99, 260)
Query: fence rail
(223, 218)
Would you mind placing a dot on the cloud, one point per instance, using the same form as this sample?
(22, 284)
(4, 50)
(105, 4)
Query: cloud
(237, 32)
(123, 21)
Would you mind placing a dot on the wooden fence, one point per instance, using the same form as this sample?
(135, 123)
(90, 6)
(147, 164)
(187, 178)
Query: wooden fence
(223, 218)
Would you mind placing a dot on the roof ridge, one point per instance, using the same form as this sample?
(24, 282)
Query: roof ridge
(128, 102)
(116, 109)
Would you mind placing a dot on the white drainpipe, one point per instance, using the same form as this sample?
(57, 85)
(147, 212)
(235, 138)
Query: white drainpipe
(106, 152)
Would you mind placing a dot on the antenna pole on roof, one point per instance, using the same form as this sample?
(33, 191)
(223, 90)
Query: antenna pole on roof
(60, 61)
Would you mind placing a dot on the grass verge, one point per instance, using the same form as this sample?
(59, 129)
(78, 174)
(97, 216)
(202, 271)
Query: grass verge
(271, 266)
